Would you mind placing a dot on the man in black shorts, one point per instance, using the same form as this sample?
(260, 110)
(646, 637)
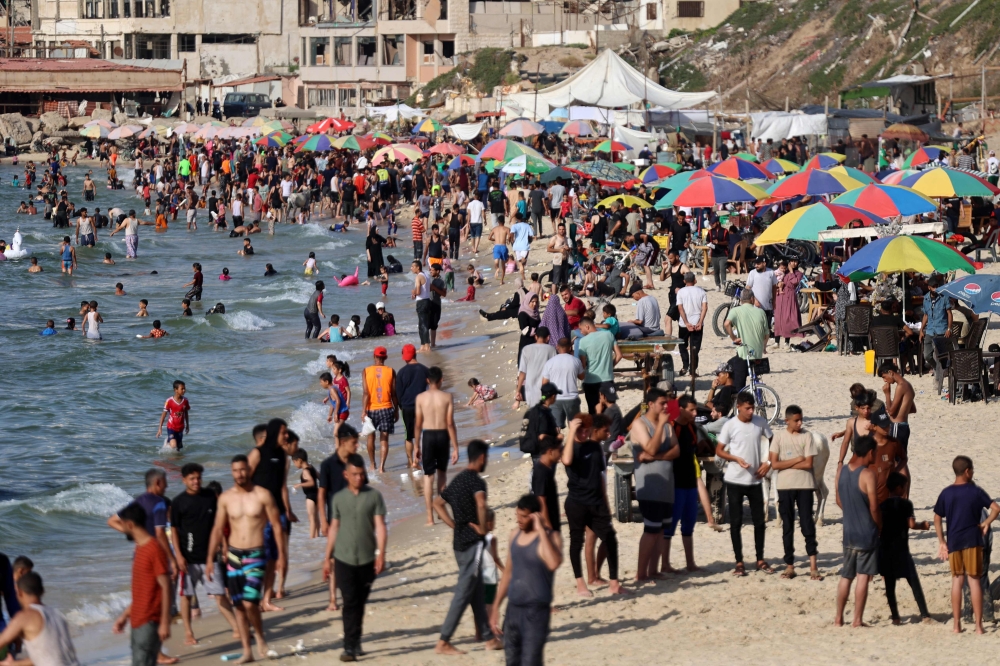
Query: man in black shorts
(434, 433)
(411, 381)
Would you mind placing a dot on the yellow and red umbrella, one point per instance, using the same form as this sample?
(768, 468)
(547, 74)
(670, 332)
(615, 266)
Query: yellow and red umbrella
(403, 152)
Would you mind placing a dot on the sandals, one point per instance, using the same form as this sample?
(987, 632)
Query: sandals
(740, 570)
(765, 567)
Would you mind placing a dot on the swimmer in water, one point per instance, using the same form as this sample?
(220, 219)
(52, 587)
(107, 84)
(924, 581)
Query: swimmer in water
(156, 332)
(108, 259)
(120, 289)
(310, 264)
(186, 305)
(34, 268)
(143, 304)
(68, 254)
(175, 412)
(225, 275)
(269, 270)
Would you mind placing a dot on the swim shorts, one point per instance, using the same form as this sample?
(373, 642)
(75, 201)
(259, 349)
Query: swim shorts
(409, 418)
(655, 516)
(245, 574)
(476, 230)
(500, 252)
(68, 264)
(434, 450)
(177, 435)
(384, 420)
(196, 574)
(270, 544)
(87, 239)
(520, 256)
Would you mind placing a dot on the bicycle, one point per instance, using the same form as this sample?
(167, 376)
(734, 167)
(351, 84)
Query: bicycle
(734, 289)
(767, 404)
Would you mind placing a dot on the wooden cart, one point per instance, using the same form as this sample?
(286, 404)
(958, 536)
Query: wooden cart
(651, 357)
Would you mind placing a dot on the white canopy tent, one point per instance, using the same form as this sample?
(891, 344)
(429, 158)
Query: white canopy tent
(607, 82)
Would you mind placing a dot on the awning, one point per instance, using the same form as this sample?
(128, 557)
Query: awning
(84, 75)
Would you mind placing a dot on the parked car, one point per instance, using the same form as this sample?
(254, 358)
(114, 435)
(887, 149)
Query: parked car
(244, 105)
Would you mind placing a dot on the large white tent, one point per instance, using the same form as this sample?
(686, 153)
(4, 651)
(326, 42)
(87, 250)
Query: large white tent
(608, 82)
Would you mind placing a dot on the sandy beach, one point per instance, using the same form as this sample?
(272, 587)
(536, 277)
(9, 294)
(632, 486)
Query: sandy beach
(707, 616)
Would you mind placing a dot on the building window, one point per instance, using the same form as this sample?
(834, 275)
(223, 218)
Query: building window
(127, 8)
(322, 97)
(150, 7)
(342, 51)
(428, 53)
(93, 9)
(318, 49)
(651, 11)
(392, 49)
(139, 9)
(186, 43)
(448, 52)
(128, 47)
(444, 11)
(348, 97)
(689, 9)
(366, 52)
(152, 47)
(364, 10)
(164, 7)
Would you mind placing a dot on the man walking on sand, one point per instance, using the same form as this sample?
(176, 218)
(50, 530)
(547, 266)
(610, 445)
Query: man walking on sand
(356, 545)
(535, 554)
(900, 405)
(332, 480)
(268, 463)
(149, 612)
(857, 497)
(411, 381)
(380, 404)
(739, 443)
(961, 505)
(466, 495)
(245, 509)
(500, 235)
(434, 433)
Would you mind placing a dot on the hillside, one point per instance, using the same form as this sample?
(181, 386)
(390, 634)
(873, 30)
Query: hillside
(808, 49)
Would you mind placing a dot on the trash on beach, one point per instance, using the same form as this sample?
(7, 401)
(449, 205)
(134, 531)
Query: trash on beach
(231, 657)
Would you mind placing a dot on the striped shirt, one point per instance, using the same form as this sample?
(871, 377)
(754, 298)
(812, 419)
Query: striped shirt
(149, 562)
(417, 229)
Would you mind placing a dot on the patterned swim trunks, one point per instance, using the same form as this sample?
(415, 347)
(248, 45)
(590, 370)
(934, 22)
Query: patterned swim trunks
(245, 574)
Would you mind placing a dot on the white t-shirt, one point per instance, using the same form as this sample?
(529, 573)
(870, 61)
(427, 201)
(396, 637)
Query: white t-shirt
(564, 371)
(762, 285)
(992, 166)
(691, 299)
(286, 188)
(475, 211)
(743, 441)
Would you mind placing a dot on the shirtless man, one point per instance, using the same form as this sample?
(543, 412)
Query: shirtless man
(899, 406)
(435, 419)
(857, 426)
(559, 246)
(500, 234)
(245, 508)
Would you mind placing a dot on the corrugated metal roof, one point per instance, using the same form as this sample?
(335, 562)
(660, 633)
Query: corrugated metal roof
(91, 75)
(261, 78)
(66, 65)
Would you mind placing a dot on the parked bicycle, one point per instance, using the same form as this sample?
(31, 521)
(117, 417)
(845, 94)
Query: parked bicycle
(734, 289)
(767, 404)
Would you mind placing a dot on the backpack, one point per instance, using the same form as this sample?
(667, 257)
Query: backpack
(528, 440)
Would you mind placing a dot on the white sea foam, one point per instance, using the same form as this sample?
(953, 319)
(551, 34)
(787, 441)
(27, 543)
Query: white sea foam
(296, 293)
(89, 499)
(310, 424)
(333, 245)
(243, 320)
(319, 365)
(102, 609)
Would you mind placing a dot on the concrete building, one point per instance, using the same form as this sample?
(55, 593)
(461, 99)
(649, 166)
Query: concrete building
(214, 38)
(691, 15)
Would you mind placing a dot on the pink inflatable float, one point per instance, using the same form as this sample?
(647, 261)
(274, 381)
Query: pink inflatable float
(349, 280)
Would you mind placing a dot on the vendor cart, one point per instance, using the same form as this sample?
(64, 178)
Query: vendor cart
(652, 359)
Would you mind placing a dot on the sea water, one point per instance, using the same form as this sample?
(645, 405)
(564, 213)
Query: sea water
(78, 417)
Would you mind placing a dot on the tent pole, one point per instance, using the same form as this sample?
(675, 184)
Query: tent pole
(538, 68)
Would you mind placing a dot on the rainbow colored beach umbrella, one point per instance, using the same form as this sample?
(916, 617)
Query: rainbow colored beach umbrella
(813, 182)
(379, 138)
(823, 161)
(608, 146)
(578, 128)
(734, 167)
(896, 177)
(658, 172)
(521, 127)
(749, 157)
(626, 200)
(462, 160)
(924, 155)
(710, 191)
(777, 167)
(447, 149)
(503, 150)
(805, 223)
(403, 152)
(887, 200)
(895, 254)
(851, 172)
(942, 182)
(275, 139)
(681, 179)
(427, 125)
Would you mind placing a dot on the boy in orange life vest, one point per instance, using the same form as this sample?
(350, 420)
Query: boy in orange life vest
(380, 404)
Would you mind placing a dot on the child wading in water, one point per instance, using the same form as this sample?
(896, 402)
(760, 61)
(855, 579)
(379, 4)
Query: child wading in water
(175, 412)
(308, 483)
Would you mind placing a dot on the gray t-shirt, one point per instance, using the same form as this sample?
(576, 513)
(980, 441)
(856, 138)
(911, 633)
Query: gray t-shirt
(654, 481)
(762, 285)
(647, 310)
(563, 370)
(536, 198)
(533, 359)
(556, 194)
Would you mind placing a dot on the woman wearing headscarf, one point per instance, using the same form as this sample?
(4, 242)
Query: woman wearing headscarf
(373, 251)
(511, 306)
(527, 321)
(554, 318)
(374, 324)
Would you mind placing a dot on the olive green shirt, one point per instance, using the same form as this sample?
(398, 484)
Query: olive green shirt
(356, 535)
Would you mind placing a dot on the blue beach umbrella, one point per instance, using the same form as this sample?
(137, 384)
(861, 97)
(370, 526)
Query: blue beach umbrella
(981, 292)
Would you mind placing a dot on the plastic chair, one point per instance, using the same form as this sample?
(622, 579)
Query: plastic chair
(965, 367)
(857, 322)
(990, 245)
(885, 342)
(977, 333)
(739, 257)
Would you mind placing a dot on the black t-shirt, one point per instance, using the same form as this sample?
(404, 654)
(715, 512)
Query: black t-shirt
(536, 198)
(543, 486)
(616, 429)
(586, 482)
(720, 238)
(460, 494)
(723, 399)
(331, 478)
(347, 191)
(684, 473)
(193, 516)
(679, 235)
(411, 381)
(599, 232)
(497, 200)
(896, 514)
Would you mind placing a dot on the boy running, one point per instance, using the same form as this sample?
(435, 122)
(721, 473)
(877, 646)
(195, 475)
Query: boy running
(175, 412)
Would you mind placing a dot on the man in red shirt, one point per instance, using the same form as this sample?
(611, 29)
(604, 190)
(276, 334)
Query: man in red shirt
(417, 234)
(574, 307)
(175, 413)
(149, 611)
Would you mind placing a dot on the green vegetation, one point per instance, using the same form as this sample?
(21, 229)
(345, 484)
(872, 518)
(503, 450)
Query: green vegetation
(749, 16)
(490, 68)
(676, 32)
(577, 46)
(821, 83)
(683, 76)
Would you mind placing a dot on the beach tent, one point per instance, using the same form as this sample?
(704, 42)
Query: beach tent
(608, 82)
